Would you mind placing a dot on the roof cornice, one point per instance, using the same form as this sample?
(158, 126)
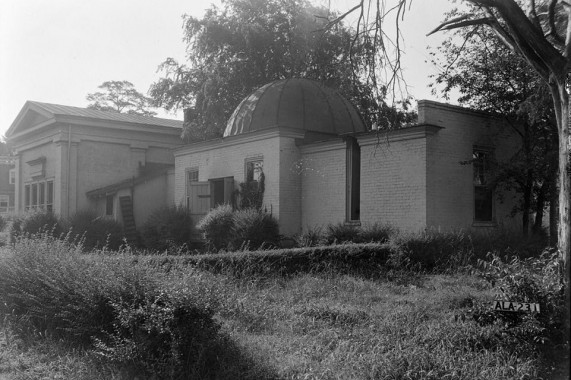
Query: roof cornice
(224, 142)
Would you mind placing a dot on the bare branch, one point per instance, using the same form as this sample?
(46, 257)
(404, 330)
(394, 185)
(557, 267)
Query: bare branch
(457, 19)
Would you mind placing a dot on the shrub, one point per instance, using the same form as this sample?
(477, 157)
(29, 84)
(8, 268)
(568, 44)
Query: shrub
(96, 231)
(36, 222)
(360, 259)
(48, 287)
(167, 227)
(310, 237)
(376, 232)
(535, 280)
(255, 228)
(2, 223)
(341, 233)
(217, 227)
(431, 250)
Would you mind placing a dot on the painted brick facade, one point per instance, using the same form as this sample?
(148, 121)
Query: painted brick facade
(323, 174)
(450, 188)
(227, 158)
(393, 178)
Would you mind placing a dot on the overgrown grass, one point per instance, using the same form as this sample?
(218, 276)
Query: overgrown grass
(303, 314)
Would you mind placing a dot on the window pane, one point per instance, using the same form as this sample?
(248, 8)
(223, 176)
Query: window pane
(34, 194)
(254, 170)
(42, 194)
(27, 196)
(483, 204)
(50, 198)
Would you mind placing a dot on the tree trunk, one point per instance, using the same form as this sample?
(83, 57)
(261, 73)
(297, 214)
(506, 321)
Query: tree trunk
(561, 103)
(540, 204)
(526, 209)
(553, 210)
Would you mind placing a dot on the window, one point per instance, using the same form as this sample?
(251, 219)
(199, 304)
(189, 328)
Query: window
(254, 170)
(39, 195)
(221, 191)
(191, 177)
(483, 193)
(353, 180)
(12, 176)
(109, 200)
(4, 203)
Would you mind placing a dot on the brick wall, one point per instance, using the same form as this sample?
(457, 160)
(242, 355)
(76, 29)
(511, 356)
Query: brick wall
(227, 158)
(322, 169)
(450, 189)
(393, 179)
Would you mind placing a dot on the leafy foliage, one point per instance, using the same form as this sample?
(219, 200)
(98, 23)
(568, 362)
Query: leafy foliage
(492, 78)
(236, 49)
(167, 227)
(50, 288)
(120, 96)
(35, 222)
(226, 228)
(255, 228)
(216, 227)
(535, 280)
(96, 232)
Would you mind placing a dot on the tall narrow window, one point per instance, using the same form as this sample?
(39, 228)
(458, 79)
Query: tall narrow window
(109, 201)
(353, 180)
(254, 171)
(42, 194)
(27, 197)
(12, 176)
(483, 192)
(191, 177)
(50, 196)
(34, 195)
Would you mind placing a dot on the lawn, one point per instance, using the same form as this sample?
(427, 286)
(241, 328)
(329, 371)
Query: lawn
(328, 325)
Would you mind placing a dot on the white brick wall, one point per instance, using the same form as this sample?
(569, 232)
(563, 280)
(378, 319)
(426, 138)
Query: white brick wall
(226, 158)
(450, 190)
(323, 171)
(393, 179)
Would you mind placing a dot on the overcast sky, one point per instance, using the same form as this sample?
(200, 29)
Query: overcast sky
(58, 51)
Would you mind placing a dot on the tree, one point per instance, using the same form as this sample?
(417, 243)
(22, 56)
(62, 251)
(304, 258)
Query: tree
(120, 96)
(494, 79)
(538, 31)
(248, 43)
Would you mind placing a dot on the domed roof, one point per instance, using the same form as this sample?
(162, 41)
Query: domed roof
(296, 103)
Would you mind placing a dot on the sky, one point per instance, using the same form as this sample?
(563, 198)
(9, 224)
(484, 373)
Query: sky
(58, 51)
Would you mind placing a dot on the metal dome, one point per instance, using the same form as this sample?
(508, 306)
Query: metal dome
(295, 103)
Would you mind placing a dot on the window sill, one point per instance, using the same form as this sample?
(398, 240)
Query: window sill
(353, 223)
(484, 224)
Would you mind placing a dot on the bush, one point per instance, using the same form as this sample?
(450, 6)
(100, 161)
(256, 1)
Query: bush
(365, 260)
(376, 232)
(36, 222)
(216, 227)
(344, 233)
(96, 231)
(341, 233)
(535, 280)
(255, 228)
(48, 287)
(2, 223)
(310, 237)
(168, 227)
(431, 250)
